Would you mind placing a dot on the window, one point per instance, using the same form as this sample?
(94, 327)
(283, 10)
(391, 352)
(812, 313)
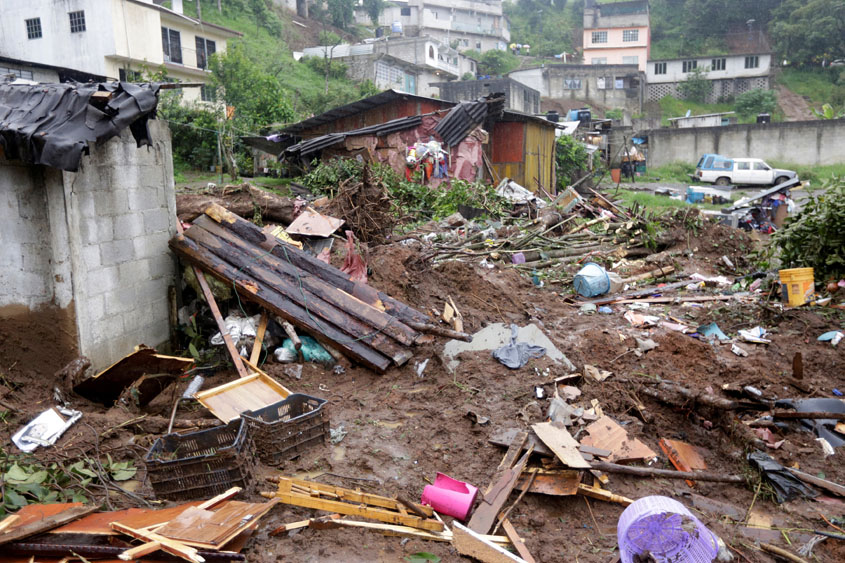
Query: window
(743, 166)
(599, 37)
(629, 35)
(599, 61)
(129, 75)
(404, 11)
(760, 166)
(33, 28)
(171, 42)
(630, 60)
(659, 68)
(478, 44)
(77, 21)
(208, 94)
(620, 83)
(205, 48)
(752, 61)
(430, 52)
(689, 66)
(572, 83)
(717, 64)
(708, 163)
(25, 74)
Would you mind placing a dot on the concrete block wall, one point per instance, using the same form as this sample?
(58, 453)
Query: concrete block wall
(122, 210)
(817, 142)
(93, 243)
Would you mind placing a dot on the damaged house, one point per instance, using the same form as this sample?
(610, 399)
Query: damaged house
(86, 209)
(471, 140)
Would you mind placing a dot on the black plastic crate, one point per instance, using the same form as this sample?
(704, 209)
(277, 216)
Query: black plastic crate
(285, 429)
(202, 464)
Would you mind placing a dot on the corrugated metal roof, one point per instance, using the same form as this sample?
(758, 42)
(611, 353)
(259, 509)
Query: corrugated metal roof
(464, 117)
(319, 143)
(356, 107)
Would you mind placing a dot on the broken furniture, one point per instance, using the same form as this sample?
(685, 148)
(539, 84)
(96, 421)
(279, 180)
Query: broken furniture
(310, 494)
(364, 325)
(255, 391)
(285, 429)
(201, 464)
(145, 372)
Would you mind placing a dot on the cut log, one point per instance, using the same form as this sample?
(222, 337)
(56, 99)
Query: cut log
(242, 200)
(251, 233)
(313, 305)
(267, 297)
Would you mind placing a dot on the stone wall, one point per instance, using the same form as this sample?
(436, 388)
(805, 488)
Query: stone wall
(793, 142)
(95, 239)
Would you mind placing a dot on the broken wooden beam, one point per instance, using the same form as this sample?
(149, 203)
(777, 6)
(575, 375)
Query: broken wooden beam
(266, 296)
(259, 338)
(46, 524)
(473, 544)
(666, 473)
(312, 264)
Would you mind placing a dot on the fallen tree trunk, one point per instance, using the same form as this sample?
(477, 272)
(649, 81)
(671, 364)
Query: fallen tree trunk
(244, 200)
(666, 473)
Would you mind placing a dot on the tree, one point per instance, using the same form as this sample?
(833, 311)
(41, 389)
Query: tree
(373, 9)
(809, 32)
(828, 112)
(497, 62)
(571, 158)
(696, 87)
(753, 102)
(330, 41)
(341, 12)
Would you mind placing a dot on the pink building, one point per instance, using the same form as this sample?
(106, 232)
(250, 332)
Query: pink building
(617, 33)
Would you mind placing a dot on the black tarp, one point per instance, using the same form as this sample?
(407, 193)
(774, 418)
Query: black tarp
(52, 124)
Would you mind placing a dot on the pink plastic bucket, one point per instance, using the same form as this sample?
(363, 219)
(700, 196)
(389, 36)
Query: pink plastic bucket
(449, 496)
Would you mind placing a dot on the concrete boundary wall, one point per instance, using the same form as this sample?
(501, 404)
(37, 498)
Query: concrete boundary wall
(818, 142)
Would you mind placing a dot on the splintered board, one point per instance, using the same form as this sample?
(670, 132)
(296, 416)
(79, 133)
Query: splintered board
(606, 434)
(213, 529)
(229, 400)
(564, 446)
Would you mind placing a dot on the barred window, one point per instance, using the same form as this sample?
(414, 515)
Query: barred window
(33, 28)
(599, 37)
(659, 68)
(629, 35)
(717, 64)
(572, 83)
(752, 62)
(77, 21)
(689, 66)
(171, 42)
(205, 48)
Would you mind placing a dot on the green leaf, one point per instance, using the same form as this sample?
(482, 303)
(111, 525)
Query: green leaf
(14, 499)
(422, 557)
(124, 474)
(38, 477)
(16, 474)
(193, 351)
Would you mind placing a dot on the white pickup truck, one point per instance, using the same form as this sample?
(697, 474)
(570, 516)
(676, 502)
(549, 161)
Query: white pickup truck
(723, 171)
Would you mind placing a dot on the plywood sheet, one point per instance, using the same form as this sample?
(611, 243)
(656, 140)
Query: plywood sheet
(196, 526)
(35, 512)
(555, 483)
(558, 439)
(606, 434)
(229, 400)
(311, 223)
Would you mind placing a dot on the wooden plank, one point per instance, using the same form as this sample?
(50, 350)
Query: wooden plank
(312, 487)
(267, 297)
(683, 456)
(229, 400)
(311, 264)
(252, 262)
(8, 521)
(46, 524)
(551, 482)
(601, 494)
(517, 541)
(165, 544)
(497, 494)
(505, 437)
(834, 488)
(606, 434)
(259, 338)
(472, 544)
(207, 529)
(312, 284)
(564, 446)
(395, 530)
(363, 511)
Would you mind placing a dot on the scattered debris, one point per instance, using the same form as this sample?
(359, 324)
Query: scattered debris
(45, 428)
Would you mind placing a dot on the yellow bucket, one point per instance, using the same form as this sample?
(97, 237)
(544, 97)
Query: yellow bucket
(797, 286)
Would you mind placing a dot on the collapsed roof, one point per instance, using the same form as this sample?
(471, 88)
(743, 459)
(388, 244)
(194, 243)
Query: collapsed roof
(52, 124)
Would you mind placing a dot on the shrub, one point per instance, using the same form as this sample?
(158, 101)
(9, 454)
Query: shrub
(756, 101)
(696, 87)
(570, 158)
(815, 238)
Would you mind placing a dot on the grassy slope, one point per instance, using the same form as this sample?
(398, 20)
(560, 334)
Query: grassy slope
(273, 54)
(820, 86)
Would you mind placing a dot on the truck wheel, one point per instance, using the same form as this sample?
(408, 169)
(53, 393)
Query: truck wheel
(780, 180)
(723, 181)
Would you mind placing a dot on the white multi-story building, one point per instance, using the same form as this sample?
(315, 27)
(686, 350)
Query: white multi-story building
(51, 41)
(464, 24)
(730, 74)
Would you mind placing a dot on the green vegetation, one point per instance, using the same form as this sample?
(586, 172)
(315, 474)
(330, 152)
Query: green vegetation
(653, 201)
(673, 107)
(408, 198)
(545, 25)
(815, 174)
(807, 32)
(696, 87)
(673, 172)
(754, 102)
(815, 238)
(29, 481)
(818, 85)
(570, 158)
(494, 62)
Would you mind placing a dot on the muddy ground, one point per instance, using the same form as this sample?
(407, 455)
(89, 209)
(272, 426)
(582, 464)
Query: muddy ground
(402, 428)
